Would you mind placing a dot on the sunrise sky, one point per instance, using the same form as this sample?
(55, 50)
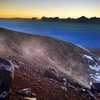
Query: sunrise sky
(49, 8)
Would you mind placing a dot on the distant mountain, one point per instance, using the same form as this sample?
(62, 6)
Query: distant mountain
(50, 58)
(82, 19)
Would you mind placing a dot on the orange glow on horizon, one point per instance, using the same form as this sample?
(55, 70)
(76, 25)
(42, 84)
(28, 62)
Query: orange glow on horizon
(39, 17)
(16, 16)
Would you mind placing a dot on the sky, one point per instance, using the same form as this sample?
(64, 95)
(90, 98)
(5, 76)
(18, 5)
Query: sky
(49, 8)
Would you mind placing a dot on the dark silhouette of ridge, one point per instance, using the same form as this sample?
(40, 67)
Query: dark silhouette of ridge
(81, 19)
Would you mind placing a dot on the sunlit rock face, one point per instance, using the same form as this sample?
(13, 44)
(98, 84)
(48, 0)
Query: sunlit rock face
(44, 53)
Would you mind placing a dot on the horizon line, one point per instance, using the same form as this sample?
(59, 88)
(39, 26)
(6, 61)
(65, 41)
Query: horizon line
(46, 17)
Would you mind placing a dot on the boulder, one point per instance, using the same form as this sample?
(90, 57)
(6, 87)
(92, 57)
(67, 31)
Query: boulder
(26, 92)
(6, 75)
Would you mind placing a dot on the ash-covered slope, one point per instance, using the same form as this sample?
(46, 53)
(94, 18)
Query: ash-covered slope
(51, 57)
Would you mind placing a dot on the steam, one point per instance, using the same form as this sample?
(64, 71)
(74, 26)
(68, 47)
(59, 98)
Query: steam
(31, 49)
(34, 52)
(2, 46)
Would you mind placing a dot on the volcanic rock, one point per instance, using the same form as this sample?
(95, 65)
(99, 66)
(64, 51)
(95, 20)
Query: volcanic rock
(6, 75)
(40, 58)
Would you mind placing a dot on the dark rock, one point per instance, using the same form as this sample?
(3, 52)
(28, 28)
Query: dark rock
(25, 92)
(95, 87)
(6, 75)
(51, 73)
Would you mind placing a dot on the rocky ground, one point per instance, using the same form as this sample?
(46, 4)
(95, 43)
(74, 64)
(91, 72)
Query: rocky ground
(50, 69)
(45, 88)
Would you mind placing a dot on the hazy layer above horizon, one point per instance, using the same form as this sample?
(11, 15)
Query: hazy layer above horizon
(49, 8)
(84, 34)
